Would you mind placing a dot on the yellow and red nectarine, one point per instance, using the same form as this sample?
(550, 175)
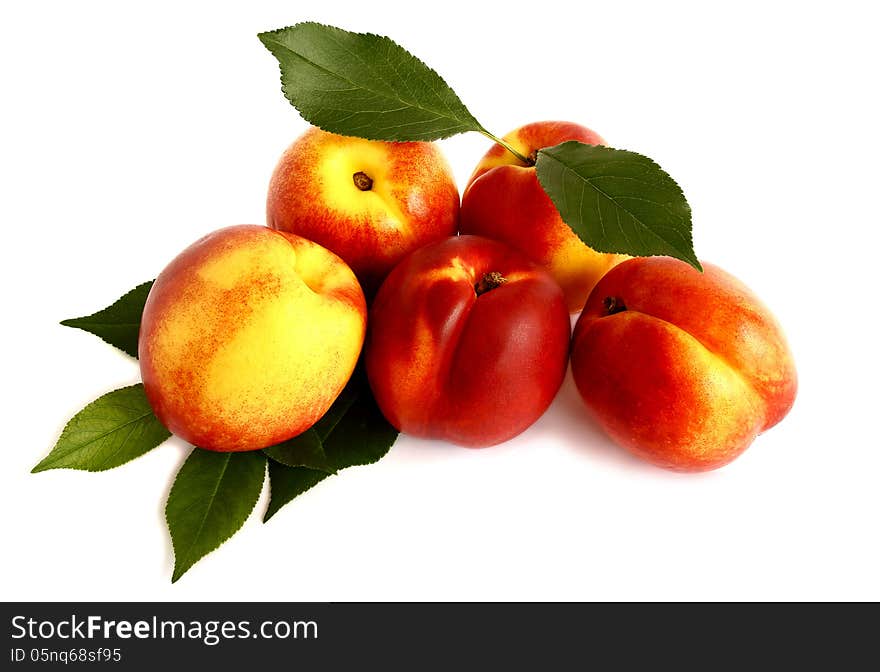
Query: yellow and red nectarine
(248, 336)
(369, 202)
(683, 369)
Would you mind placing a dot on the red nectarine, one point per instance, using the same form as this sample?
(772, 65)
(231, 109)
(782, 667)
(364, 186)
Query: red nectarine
(468, 342)
(504, 201)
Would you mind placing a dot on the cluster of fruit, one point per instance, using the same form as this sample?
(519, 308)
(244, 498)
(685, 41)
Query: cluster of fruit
(250, 334)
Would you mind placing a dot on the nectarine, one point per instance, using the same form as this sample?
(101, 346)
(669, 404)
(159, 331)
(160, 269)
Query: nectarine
(684, 369)
(248, 337)
(468, 342)
(503, 200)
(369, 202)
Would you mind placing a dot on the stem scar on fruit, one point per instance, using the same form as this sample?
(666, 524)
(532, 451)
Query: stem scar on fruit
(613, 305)
(489, 282)
(362, 181)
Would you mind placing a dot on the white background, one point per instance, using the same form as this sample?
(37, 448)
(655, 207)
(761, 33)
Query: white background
(128, 131)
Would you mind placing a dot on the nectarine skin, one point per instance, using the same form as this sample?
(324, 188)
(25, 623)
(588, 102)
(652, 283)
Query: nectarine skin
(447, 363)
(369, 202)
(683, 369)
(248, 336)
(503, 200)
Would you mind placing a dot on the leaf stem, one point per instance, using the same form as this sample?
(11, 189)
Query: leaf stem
(508, 147)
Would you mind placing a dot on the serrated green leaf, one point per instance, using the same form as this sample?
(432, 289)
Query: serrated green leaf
(364, 85)
(212, 496)
(110, 431)
(117, 324)
(287, 483)
(617, 201)
(361, 435)
(305, 450)
(353, 432)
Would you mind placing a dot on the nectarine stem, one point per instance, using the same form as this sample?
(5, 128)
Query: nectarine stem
(489, 282)
(362, 181)
(526, 160)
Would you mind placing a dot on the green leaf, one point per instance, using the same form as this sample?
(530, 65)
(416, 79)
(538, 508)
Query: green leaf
(364, 85)
(287, 483)
(210, 499)
(305, 450)
(119, 323)
(361, 435)
(617, 201)
(352, 432)
(110, 431)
